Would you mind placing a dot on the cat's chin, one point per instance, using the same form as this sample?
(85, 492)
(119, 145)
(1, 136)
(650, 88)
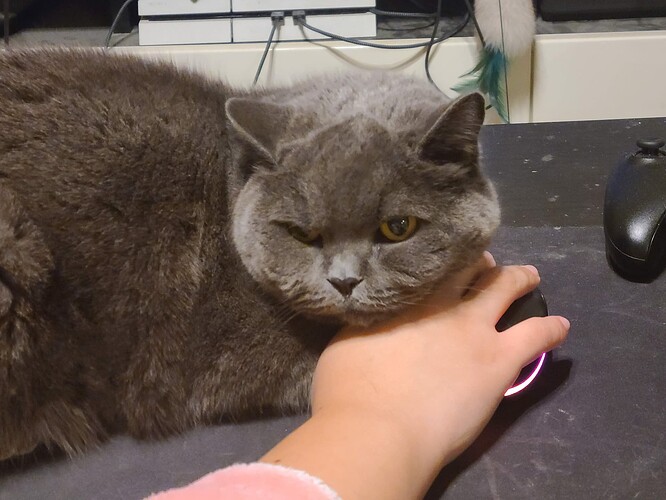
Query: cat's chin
(366, 319)
(352, 317)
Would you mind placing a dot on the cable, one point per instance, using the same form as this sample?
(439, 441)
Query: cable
(432, 38)
(470, 10)
(299, 19)
(277, 18)
(263, 56)
(457, 30)
(392, 13)
(121, 11)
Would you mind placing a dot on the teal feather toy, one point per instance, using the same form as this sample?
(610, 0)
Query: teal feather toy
(489, 78)
(507, 30)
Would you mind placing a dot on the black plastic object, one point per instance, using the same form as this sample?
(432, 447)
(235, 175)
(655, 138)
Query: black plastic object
(530, 305)
(578, 10)
(634, 210)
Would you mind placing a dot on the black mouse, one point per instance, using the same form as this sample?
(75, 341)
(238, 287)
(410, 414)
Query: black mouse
(634, 213)
(528, 306)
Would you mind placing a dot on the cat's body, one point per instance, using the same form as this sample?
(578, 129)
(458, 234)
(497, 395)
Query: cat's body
(148, 278)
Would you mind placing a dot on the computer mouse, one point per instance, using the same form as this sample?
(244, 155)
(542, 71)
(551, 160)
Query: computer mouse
(528, 306)
(634, 213)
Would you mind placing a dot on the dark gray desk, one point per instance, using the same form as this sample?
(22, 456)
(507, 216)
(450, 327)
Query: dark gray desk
(592, 427)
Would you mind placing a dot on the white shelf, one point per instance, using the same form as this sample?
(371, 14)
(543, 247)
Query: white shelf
(184, 31)
(183, 7)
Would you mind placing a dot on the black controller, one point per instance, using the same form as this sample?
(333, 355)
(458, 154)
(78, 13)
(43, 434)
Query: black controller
(634, 210)
(528, 306)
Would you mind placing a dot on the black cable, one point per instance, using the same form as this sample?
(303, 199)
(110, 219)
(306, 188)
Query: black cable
(470, 10)
(263, 57)
(455, 31)
(392, 13)
(432, 39)
(299, 20)
(121, 11)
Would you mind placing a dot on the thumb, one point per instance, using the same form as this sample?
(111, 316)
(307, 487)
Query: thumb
(528, 339)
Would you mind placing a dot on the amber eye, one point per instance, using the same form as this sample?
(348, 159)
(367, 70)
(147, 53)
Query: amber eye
(307, 237)
(398, 228)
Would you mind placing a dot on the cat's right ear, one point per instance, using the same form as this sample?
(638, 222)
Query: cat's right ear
(258, 123)
(455, 133)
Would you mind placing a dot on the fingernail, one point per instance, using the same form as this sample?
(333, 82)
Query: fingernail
(532, 269)
(565, 322)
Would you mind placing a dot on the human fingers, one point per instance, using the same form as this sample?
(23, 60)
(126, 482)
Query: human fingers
(525, 341)
(498, 288)
(489, 259)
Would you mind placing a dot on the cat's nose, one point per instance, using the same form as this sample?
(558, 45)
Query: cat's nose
(345, 286)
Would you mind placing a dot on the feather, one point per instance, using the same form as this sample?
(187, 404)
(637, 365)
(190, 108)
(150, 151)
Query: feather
(507, 29)
(488, 77)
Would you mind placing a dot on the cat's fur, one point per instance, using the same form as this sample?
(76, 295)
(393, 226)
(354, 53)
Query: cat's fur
(148, 281)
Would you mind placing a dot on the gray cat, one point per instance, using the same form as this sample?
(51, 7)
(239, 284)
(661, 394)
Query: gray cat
(174, 252)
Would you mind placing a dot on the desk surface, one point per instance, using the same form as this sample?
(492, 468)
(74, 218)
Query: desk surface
(592, 426)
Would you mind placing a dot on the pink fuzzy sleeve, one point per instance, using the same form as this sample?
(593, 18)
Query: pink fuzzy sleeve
(250, 482)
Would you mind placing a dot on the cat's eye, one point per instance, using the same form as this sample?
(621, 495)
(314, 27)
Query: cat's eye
(398, 228)
(307, 237)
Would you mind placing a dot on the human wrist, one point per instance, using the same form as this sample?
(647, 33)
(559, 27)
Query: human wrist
(396, 432)
(359, 452)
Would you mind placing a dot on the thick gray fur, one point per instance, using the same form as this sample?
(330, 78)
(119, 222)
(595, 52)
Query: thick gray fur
(148, 278)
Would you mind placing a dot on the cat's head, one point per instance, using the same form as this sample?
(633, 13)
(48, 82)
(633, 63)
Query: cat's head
(353, 221)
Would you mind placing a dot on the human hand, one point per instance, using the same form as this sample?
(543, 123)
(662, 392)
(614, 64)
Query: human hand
(438, 372)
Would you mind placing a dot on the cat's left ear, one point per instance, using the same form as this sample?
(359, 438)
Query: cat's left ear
(454, 136)
(259, 123)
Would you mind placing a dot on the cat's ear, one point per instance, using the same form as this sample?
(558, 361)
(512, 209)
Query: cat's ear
(259, 123)
(455, 134)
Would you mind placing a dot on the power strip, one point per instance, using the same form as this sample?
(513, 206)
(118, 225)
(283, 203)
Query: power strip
(252, 29)
(197, 7)
(185, 22)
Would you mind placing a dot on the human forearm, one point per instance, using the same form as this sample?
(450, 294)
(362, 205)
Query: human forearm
(358, 453)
